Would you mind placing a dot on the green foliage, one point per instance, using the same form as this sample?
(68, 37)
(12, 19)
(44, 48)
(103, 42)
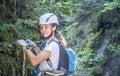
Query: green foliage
(23, 25)
(78, 20)
(28, 29)
(9, 34)
(89, 62)
(111, 5)
(115, 49)
(63, 9)
(23, 29)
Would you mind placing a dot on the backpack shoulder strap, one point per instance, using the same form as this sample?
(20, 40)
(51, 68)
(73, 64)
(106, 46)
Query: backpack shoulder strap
(48, 60)
(53, 40)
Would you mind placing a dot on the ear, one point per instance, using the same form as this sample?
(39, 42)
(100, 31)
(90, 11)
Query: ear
(54, 28)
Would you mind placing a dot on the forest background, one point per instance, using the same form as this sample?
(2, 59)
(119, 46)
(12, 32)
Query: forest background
(91, 28)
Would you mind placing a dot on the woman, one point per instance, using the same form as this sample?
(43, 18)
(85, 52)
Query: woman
(48, 24)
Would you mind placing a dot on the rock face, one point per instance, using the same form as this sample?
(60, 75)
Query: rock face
(108, 43)
(112, 68)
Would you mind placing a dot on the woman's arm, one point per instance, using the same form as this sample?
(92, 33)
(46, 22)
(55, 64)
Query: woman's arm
(62, 40)
(36, 50)
(36, 59)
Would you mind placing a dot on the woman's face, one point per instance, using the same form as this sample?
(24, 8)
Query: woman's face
(46, 30)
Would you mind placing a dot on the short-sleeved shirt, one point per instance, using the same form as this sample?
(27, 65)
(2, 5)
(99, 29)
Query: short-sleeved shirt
(53, 47)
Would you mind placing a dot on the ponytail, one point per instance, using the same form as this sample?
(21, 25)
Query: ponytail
(57, 35)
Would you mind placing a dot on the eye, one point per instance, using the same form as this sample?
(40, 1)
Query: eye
(46, 27)
(41, 27)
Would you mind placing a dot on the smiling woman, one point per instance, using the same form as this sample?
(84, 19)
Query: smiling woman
(46, 31)
(48, 58)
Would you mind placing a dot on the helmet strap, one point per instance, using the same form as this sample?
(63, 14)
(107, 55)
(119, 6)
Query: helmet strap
(49, 35)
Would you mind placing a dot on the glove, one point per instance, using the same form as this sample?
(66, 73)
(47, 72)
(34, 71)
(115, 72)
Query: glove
(22, 43)
(31, 43)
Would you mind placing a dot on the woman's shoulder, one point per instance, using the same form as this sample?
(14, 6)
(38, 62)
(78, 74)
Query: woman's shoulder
(52, 40)
(52, 43)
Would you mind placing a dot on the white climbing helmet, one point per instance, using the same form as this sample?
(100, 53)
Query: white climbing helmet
(48, 19)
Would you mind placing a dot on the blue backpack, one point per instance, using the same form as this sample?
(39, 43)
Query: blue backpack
(68, 62)
(72, 60)
(68, 58)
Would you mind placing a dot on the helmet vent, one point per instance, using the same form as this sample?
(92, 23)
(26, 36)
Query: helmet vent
(48, 18)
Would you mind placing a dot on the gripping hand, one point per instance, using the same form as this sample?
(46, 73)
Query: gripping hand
(31, 43)
(22, 42)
